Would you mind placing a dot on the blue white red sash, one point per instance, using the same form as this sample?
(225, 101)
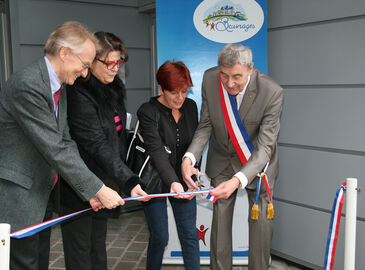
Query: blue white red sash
(334, 227)
(236, 130)
(240, 139)
(44, 225)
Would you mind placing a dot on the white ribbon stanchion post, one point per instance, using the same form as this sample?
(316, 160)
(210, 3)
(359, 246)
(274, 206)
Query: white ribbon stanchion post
(4, 246)
(350, 223)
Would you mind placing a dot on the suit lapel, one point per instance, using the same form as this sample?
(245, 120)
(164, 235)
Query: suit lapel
(249, 96)
(47, 89)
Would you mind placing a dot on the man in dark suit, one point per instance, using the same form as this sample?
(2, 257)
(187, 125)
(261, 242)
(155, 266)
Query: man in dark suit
(259, 101)
(35, 145)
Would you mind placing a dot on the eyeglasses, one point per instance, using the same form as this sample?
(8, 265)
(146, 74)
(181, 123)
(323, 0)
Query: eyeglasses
(111, 65)
(84, 66)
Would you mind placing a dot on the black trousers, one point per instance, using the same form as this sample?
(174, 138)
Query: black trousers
(84, 241)
(32, 252)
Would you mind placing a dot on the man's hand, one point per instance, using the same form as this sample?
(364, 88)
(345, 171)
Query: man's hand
(138, 191)
(187, 170)
(96, 204)
(226, 188)
(109, 198)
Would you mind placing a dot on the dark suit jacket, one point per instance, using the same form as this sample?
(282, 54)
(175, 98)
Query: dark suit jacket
(34, 145)
(91, 109)
(260, 112)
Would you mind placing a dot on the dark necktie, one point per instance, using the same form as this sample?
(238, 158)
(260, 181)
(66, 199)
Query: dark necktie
(56, 98)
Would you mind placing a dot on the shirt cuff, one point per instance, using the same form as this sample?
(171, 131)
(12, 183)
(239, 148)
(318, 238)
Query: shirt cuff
(191, 156)
(243, 179)
(99, 189)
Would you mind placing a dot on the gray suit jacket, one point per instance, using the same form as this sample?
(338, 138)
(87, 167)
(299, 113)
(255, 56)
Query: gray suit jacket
(260, 112)
(34, 145)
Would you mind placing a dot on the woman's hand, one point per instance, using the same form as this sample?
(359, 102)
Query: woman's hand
(138, 191)
(187, 170)
(178, 188)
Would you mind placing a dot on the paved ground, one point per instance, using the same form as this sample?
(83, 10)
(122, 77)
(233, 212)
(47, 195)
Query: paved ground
(127, 246)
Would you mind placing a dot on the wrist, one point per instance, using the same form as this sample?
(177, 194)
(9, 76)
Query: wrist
(238, 182)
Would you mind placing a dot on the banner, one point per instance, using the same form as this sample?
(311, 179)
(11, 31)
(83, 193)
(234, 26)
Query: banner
(194, 32)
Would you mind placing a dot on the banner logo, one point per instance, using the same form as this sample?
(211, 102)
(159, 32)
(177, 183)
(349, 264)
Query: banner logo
(228, 21)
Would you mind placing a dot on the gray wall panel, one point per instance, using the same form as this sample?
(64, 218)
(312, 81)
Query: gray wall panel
(311, 177)
(33, 20)
(29, 54)
(44, 16)
(330, 53)
(301, 234)
(135, 98)
(138, 68)
(290, 12)
(324, 117)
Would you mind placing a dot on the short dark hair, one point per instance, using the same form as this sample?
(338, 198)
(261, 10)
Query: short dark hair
(173, 76)
(109, 42)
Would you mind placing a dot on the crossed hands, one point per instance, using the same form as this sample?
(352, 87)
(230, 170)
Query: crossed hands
(223, 191)
(108, 198)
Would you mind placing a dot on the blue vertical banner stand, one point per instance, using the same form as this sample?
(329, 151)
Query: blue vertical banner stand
(194, 31)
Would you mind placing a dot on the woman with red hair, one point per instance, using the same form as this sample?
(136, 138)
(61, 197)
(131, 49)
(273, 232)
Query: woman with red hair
(167, 124)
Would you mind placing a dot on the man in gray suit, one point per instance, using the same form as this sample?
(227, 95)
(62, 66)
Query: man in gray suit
(35, 145)
(259, 100)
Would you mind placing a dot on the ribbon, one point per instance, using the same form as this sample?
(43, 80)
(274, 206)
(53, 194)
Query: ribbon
(334, 227)
(46, 224)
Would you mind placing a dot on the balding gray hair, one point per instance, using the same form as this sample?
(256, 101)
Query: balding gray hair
(232, 54)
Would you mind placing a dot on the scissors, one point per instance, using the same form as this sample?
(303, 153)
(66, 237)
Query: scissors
(196, 178)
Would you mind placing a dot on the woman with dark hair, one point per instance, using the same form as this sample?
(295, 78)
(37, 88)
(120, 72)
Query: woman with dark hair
(167, 124)
(97, 121)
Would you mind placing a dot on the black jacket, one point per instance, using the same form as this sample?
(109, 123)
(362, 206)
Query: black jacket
(92, 107)
(161, 134)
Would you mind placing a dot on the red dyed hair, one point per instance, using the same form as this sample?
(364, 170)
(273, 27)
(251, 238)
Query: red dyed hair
(173, 76)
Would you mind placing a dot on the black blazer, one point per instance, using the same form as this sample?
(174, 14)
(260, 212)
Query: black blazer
(91, 110)
(161, 134)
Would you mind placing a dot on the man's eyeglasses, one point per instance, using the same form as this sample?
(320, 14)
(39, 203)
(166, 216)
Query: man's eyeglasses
(112, 64)
(84, 66)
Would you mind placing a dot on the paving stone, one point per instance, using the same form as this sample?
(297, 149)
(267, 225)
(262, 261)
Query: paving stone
(127, 241)
(131, 256)
(53, 256)
(139, 247)
(121, 243)
(115, 252)
(60, 262)
(111, 262)
(125, 265)
(278, 264)
(142, 237)
(133, 228)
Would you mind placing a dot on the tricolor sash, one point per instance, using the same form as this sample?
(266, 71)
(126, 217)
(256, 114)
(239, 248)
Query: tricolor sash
(239, 137)
(236, 130)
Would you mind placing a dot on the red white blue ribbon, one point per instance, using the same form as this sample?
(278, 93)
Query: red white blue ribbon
(211, 198)
(236, 130)
(258, 184)
(44, 225)
(334, 227)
